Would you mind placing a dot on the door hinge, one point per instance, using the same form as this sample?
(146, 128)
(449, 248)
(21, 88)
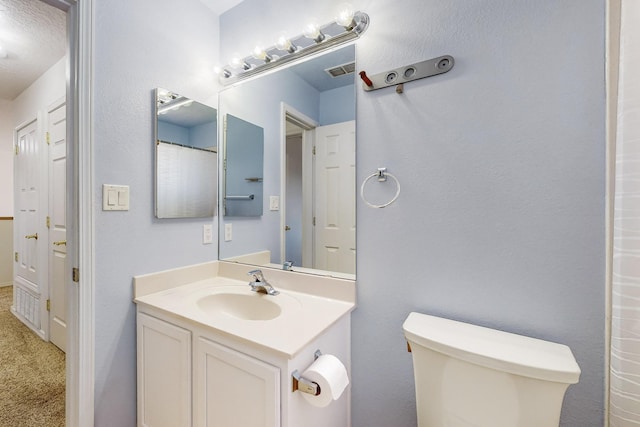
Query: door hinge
(48, 221)
(314, 150)
(17, 149)
(15, 256)
(48, 138)
(48, 305)
(314, 221)
(75, 274)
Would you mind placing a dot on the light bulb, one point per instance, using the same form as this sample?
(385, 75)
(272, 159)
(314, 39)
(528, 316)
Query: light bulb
(260, 53)
(345, 16)
(283, 43)
(239, 63)
(312, 31)
(219, 70)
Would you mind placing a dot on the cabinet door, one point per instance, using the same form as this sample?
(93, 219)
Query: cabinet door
(164, 373)
(233, 389)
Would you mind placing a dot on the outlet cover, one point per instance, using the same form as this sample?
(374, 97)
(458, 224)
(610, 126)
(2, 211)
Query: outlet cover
(228, 232)
(207, 234)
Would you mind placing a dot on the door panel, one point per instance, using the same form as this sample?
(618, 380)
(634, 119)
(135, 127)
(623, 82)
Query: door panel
(27, 193)
(58, 277)
(335, 188)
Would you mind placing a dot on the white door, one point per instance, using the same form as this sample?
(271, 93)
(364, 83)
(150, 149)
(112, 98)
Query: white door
(335, 190)
(27, 196)
(58, 271)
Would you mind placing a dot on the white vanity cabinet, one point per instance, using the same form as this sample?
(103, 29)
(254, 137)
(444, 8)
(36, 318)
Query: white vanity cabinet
(210, 354)
(164, 373)
(189, 376)
(233, 389)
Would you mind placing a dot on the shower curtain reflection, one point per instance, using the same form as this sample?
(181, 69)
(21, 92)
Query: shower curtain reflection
(625, 296)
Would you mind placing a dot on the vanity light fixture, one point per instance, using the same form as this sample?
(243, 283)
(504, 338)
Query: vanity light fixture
(347, 26)
(168, 101)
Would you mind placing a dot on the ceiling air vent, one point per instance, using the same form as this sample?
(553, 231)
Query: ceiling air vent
(341, 70)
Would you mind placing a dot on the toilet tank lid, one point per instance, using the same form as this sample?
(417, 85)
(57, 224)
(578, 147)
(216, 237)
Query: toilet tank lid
(503, 351)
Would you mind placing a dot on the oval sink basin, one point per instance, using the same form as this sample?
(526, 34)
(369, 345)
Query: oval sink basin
(253, 306)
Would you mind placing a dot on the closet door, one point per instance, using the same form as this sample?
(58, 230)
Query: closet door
(29, 234)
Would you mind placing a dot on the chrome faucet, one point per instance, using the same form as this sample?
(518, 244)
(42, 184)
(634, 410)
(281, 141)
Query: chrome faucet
(260, 284)
(287, 265)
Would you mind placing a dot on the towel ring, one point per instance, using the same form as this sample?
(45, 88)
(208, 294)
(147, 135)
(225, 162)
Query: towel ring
(382, 175)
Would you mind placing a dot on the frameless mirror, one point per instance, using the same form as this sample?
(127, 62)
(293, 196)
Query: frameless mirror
(186, 157)
(307, 114)
(243, 167)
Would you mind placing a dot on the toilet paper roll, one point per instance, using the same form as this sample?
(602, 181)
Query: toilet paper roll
(331, 375)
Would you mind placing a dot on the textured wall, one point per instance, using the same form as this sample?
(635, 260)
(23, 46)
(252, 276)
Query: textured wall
(139, 46)
(501, 217)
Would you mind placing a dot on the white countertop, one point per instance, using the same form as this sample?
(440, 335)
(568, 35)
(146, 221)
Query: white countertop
(304, 315)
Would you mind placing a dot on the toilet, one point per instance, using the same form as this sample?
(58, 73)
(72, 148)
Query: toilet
(472, 376)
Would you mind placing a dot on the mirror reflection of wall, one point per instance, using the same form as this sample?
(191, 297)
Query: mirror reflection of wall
(299, 108)
(243, 167)
(186, 157)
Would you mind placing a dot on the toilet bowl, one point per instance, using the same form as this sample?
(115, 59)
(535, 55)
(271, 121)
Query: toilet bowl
(472, 376)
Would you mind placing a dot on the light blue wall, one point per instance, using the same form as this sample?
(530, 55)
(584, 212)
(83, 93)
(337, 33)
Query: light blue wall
(139, 46)
(204, 135)
(502, 164)
(173, 133)
(336, 105)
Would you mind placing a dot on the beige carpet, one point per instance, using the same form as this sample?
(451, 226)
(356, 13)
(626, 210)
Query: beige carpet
(32, 376)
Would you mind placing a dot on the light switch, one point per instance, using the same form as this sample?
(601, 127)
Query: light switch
(274, 203)
(115, 197)
(112, 197)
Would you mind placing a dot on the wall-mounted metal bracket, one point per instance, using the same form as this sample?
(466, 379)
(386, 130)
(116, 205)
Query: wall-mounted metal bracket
(409, 73)
(299, 383)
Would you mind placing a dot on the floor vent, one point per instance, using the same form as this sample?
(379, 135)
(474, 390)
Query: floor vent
(27, 306)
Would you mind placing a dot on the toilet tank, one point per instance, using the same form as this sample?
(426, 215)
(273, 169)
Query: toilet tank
(472, 376)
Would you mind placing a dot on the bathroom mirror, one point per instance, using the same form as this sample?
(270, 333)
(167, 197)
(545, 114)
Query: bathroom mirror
(186, 157)
(306, 111)
(243, 167)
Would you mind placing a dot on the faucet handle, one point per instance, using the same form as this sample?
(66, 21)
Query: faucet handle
(257, 275)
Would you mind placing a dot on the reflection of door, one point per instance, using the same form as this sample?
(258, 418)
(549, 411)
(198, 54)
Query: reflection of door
(293, 211)
(27, 193)
(58, 229)
(335, 231)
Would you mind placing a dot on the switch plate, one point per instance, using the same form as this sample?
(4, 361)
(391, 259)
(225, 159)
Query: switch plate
(115, 197)
(274, 203)
(228, 232)
(207, 234)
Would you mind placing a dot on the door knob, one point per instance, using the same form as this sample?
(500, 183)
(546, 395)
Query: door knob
(287, 228)
(60, 242)
(31, 236)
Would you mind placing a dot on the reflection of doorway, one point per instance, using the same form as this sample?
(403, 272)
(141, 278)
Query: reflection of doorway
(297, 188)
(319, 194)
(293, 211)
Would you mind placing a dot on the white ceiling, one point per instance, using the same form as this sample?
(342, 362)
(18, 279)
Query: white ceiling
(33, 34)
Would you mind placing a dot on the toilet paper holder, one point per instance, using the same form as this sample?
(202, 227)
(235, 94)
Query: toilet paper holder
(304, 385)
